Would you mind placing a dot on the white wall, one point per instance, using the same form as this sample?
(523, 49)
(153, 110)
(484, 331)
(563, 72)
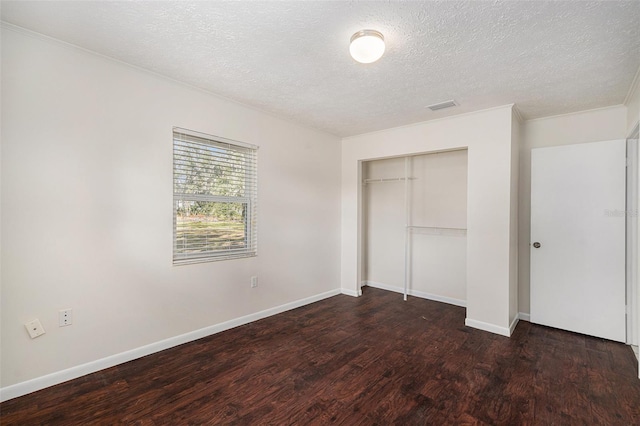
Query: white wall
(487, 134)
(439, 199)
(633, 104)
(87, 209)
(384, 223)
(438, 191)
(1, 301)
(586, 126)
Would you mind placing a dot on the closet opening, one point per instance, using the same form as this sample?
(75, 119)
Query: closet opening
(414, 225)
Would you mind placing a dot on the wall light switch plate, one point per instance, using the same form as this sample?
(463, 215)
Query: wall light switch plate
(34, 328)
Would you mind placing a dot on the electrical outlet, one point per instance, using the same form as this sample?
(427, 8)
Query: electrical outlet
(65, 317)
(254, 281)
(34, 328)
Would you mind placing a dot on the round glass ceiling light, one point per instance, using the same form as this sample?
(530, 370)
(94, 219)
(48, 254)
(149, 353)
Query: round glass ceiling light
(367, 46)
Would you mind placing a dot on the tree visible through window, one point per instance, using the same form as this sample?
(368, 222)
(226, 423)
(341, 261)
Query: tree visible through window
(215, 194)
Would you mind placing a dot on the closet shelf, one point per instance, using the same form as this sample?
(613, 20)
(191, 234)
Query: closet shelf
(434, 230)
(395, 179)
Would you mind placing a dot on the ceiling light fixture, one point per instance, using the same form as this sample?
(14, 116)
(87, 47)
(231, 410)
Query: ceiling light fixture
(367, 46)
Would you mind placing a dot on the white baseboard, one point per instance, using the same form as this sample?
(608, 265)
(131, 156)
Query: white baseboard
(485, 326)
(23, 388)
(416, 293)
(513, 324)
(524, 317)
(349, 292)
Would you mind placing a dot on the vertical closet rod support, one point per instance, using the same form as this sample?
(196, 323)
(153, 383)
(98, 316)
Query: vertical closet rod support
(407, 223)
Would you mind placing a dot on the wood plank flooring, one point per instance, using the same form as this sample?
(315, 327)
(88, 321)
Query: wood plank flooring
(372, 360)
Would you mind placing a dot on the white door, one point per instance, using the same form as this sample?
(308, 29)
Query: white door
(578, 238)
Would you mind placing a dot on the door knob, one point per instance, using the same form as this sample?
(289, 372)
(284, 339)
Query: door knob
(536, 244)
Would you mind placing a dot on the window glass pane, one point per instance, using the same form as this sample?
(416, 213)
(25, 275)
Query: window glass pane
(215, 198)
(204, 169)
(203, 227)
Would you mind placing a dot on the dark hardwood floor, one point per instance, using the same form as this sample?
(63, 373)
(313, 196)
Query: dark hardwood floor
(368, 360)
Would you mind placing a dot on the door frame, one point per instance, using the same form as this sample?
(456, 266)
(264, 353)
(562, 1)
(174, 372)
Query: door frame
(631, 211)
(633, 284)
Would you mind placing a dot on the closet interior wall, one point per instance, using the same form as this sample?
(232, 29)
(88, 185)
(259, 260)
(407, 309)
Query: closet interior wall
(415, 229)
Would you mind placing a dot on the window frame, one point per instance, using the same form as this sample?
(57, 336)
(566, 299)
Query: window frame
(249, 198)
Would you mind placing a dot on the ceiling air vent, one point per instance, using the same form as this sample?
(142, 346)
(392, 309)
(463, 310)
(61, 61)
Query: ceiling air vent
(442, 105)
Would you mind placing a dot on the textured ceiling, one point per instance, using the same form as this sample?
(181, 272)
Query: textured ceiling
(291, 58)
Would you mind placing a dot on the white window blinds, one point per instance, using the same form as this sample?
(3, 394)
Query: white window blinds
(214, 198)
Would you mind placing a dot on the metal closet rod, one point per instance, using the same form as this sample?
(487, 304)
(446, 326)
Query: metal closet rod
(387, 179)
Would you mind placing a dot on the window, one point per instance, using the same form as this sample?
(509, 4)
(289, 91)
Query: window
(214, 198)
